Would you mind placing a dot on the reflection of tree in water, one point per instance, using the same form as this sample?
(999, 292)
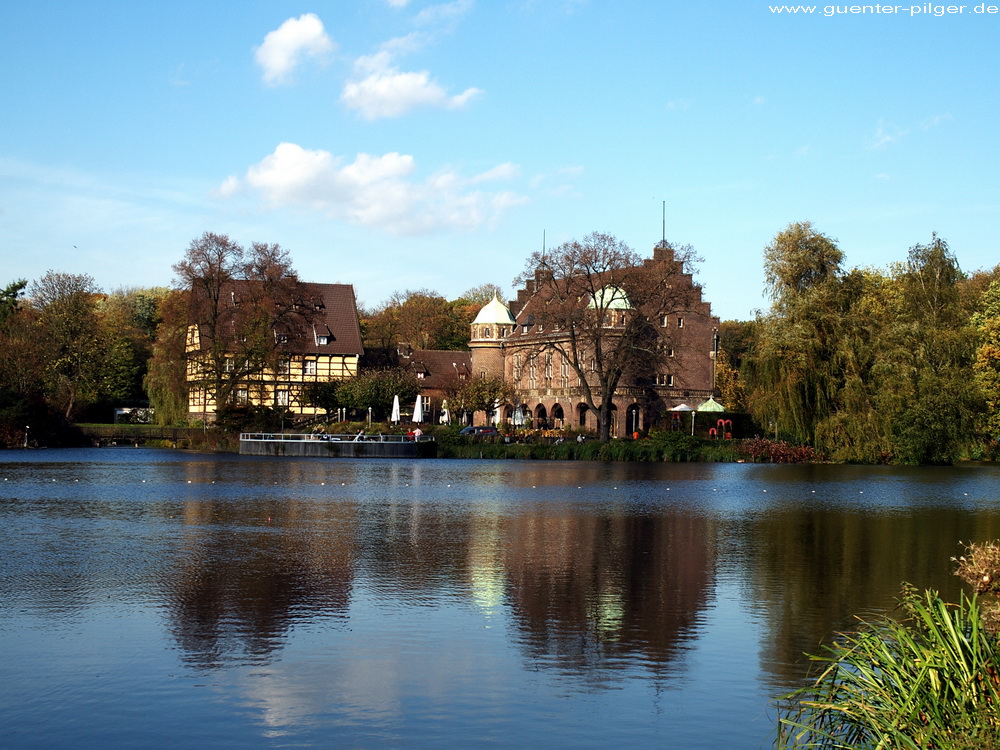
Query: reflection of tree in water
(814, 571)
(238, 590)
(589, 589)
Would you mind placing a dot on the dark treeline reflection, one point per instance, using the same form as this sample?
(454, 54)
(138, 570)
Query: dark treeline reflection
(242, 581)
(813, 572)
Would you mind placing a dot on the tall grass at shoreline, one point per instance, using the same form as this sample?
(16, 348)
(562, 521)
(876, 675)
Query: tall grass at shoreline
(927, 679)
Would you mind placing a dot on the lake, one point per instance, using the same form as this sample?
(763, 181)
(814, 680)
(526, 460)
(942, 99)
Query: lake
(153, 598)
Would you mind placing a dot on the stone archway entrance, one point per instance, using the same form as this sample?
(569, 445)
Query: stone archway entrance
(541, 418)
(558, 418)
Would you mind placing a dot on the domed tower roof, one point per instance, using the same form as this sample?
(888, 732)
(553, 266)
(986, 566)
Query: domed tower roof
(494, 312)
(610, 298)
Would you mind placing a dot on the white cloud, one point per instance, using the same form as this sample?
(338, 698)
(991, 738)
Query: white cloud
(376, 191)
(933, 122)
(285, 47)
(444, 13)
(885, 135)
(381, 90)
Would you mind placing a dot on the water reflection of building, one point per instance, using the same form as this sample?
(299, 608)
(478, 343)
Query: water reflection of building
(238, 590)
(586, 588)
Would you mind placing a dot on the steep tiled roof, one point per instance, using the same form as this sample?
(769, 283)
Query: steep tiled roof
(324, 318)
(439, 367)
(336, 317)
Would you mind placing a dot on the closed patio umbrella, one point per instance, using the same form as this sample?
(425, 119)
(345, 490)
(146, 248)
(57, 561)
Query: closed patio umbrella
(394, 418)
(418, 410)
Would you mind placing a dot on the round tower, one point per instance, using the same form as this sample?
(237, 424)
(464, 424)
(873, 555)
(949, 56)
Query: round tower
(489, 330)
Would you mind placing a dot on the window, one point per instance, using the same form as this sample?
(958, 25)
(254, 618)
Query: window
(241, 395)
(670, 351)
(663, 321)
(322, 340)
(680, 322)
(284, 366)
(309, 367)
(228, 365)
(564, 373)
(281, 338)
(421, 375)
(281, 397)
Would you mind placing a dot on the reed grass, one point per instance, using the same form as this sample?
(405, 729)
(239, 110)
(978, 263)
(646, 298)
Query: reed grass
(926, 680)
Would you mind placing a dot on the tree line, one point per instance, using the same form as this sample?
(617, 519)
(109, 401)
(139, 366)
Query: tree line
(71, 352)
(861, 364)
(900, 365)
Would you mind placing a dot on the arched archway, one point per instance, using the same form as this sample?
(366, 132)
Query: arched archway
(541, 417)
(581, 415)
(558, 418)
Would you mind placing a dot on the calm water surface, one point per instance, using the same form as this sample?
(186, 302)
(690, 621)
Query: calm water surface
(165, 599)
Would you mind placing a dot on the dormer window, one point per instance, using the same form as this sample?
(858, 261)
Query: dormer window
(421, 375)
(322, 340)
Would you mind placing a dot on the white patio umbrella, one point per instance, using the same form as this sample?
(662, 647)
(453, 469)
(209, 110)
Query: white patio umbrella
(418, 410)
(445, 414)
(518, 419)
(496, 412)
(394, 418)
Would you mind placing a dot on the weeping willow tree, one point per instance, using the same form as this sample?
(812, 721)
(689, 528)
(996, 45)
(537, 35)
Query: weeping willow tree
(794, 373)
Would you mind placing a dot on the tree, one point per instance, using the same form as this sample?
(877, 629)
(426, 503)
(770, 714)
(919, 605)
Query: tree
(375, 389)
(926, 353)
(245, 307)
(420, 319)
(481, 394)
(9, 296)
(324, 394)
(166, 377)
(597, 303)
(794, 385)
(987, 365)
(67, 314)
(798, 260)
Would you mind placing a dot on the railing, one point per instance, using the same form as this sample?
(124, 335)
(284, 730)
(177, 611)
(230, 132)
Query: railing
(137, 432)
(323, 437)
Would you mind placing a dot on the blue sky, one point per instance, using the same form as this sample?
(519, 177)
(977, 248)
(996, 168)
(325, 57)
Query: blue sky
(398, 144)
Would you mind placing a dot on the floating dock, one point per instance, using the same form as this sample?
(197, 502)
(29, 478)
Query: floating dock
(337, 446)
